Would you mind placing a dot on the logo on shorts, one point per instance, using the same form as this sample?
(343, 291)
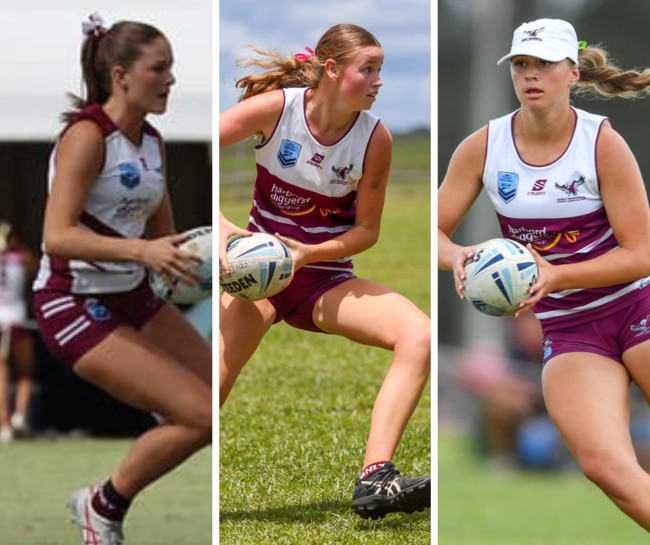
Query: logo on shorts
(548, 351)
(643, 327)
(97, 310)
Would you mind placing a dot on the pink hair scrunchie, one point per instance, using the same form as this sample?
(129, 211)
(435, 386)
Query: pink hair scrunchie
(306, 56)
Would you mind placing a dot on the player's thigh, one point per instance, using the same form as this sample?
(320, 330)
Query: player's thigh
(587, 396)
(143, 375)
(370, 313)
(637, 362)
(171, 331)
(242, 325)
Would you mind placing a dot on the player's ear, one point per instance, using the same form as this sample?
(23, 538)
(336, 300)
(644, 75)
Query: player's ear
(332, 69)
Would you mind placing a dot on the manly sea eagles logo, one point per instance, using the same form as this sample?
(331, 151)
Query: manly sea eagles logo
(642, 327)
(571, 189)
(341, 173)
(533, 34)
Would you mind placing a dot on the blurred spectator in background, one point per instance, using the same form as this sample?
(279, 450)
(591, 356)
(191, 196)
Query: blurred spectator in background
(505, 379)
(512, 427)
(17, 265)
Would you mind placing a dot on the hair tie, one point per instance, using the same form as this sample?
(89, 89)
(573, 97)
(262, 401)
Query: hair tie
(306, 56)
(582, 45)
(94, 26)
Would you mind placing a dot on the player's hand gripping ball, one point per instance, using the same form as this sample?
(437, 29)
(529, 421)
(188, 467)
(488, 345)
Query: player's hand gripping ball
(499, 276)
(260, 266)
(198, 241)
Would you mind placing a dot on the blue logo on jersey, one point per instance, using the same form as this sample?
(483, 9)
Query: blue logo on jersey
(129, 175)
(97, 310)
(288, 154)
(507, 186)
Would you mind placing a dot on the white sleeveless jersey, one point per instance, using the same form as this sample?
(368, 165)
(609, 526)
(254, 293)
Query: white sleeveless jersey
(304, 189)
(13, 281)
(127, 192)
(556, 207)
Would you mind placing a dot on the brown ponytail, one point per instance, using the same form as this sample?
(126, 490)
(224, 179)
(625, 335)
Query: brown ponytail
(600, 76)
(103, 49)
(340, 43)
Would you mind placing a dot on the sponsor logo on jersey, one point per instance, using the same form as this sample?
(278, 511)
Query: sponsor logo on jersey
(507, 186)
(128, 208)
(541, 239)
(129, 175)
(538, 187)
(289, 202)
(316, 160)
(288, 154)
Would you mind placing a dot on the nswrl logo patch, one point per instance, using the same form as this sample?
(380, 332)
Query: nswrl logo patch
(507, 186)
(129, 175)
(288, 154)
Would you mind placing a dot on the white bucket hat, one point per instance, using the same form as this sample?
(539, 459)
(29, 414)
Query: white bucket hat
(548, 39)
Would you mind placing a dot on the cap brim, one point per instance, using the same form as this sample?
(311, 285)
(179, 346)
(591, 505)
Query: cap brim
(535, 51)
(505, 58)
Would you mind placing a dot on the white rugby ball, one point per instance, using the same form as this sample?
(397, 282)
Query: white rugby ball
(260, 266)
(499, 275)
(198, 241)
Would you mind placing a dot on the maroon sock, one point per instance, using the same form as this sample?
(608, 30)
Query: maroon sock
(109, 503)
(372, 468)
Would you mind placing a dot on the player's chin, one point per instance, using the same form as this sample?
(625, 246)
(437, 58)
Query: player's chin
(158, 106)
(158, 110)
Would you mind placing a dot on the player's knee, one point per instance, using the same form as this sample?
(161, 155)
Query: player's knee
(602, 467)
(202, 417)
(197, 414)
(202, 425)
(416, 335)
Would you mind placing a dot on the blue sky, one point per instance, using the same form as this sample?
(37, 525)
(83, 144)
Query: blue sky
(403, 28)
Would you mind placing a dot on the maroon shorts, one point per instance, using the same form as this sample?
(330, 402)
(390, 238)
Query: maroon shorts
(71, 324)
(610, 333)
(295, 303)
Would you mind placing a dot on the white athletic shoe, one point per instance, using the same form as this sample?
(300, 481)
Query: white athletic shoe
(19, 424)
(6, 434)
(95, 529)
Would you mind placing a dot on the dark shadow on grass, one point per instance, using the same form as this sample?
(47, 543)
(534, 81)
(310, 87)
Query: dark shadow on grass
(320, 512)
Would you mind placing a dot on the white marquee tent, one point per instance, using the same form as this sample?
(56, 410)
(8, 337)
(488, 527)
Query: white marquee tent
(40, 42)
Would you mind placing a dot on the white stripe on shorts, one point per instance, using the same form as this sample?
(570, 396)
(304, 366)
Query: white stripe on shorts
(72, 330)
(57, 305)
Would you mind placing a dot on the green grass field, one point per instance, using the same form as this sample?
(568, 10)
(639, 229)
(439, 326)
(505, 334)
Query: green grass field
(479, 505)
(292, 434)
(38, 476)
